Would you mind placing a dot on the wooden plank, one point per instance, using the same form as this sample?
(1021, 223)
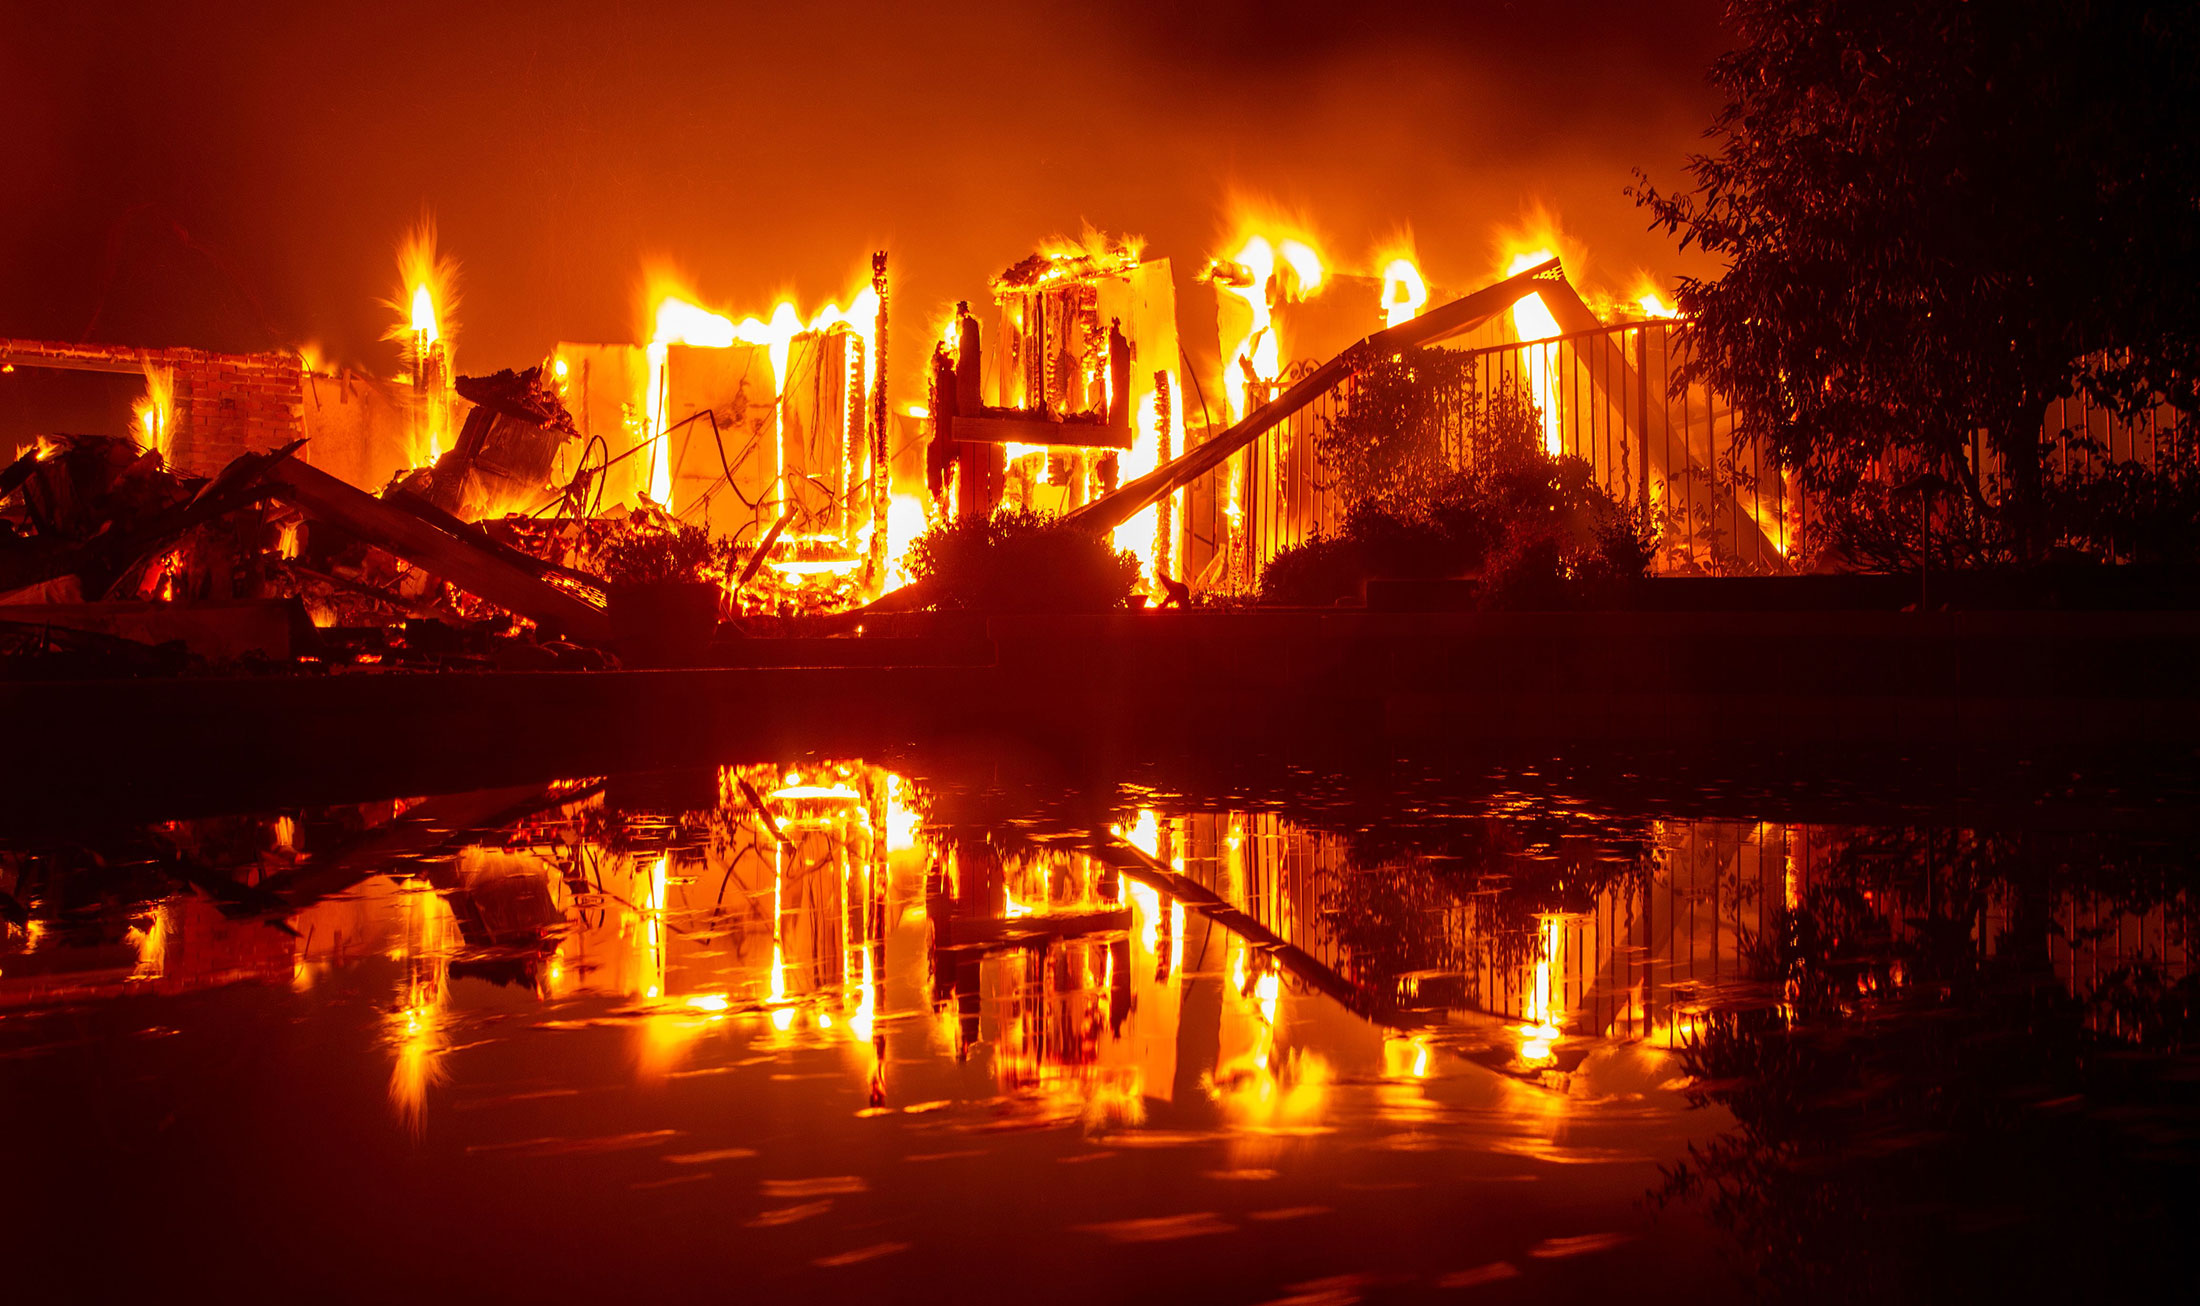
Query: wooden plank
(16, 356)
(993, 428)
(472, 564)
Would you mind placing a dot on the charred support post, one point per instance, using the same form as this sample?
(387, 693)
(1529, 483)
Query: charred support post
(1121, 422)
(1163, 520)
(882, 472)
(939, 456)
(1119, 378)
(983, 466)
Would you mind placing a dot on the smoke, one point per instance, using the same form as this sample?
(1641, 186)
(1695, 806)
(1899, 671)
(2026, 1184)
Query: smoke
(238, 177)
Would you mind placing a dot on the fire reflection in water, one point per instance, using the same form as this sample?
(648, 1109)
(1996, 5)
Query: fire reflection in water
(416, 1023)
(1184, 965)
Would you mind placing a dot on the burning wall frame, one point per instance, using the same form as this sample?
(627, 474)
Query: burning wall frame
(748, 430)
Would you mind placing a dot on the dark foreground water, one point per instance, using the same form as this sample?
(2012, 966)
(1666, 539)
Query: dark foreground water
(820, 1030)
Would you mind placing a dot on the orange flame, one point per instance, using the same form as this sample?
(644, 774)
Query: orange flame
(1532, 320)
(1404, 292)
(1652, 304)
(151, 417)
(1277, 261)
(677, 320)
(424, 328)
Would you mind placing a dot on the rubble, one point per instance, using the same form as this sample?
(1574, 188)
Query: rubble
(112, 563)
(456, 551)
(507, 448)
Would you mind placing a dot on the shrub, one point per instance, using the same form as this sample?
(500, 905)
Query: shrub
(2119, 511)
(648, 554)
(2129, 512)
(1018, 560)
(1445, 479)
(1414, 417)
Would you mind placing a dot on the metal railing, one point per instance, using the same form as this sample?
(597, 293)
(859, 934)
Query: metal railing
(1606, 396)
(1611, 398)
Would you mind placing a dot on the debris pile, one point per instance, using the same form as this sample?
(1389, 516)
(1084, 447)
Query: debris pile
(112, 563)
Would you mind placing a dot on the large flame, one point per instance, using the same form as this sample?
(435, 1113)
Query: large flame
(675, 319)
(906, 519)
(1532, 320)
(425, 331)
(1137, 534)
(430, 281)
(1305, 264)
(1651, 304)
(1275, 262)
(1404, 292)
(423, 316)
(152, 417)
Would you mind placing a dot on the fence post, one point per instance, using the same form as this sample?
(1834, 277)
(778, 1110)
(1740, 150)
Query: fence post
(1642, 423)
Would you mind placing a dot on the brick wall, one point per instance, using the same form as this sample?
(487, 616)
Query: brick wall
(225, 404)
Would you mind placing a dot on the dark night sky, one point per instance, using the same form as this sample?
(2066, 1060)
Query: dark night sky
(239, 179)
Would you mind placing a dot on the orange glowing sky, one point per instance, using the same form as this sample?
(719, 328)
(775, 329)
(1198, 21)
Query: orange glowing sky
(239, 181)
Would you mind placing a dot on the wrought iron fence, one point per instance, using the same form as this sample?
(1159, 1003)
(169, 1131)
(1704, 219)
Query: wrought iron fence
(1611, 398)
(1607, 397)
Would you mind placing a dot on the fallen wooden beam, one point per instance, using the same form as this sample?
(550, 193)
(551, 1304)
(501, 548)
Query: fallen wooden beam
(1136, 863)
(1126, 501)
(1111, 510)
(461, 554)
(1613, 379)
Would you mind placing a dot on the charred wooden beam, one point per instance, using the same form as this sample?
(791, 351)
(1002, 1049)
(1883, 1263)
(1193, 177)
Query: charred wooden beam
(461, 554)
(1109, 511)
(1119, 383)
(1137, 864)
(1015, 426)
(982, 466)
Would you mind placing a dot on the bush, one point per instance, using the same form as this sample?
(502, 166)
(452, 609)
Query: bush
(1446, 480)
(2116, 512)
(2131, 513)
(649, 554)
(1021, 561)
(1413, 418)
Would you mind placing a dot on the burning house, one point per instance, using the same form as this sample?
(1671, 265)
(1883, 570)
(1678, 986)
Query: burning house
(1176, 409)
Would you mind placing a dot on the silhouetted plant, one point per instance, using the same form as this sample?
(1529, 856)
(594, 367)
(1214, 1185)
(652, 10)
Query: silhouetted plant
(1018, 560)
(1869, 313)
(1444, 478)
(652, 554)
(1915, 1119)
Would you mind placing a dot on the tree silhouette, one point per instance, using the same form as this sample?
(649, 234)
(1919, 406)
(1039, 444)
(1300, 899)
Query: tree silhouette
(1938, 217)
